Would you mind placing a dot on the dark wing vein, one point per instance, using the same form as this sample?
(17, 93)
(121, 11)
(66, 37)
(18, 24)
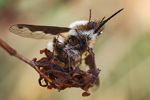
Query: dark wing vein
(37, 32)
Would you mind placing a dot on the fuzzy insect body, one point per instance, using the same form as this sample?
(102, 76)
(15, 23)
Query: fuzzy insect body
(70, 44)
(76, 43)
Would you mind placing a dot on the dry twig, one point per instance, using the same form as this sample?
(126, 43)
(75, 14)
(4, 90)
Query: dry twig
(54, 75)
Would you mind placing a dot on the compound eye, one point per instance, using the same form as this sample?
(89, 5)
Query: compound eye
(92, 24)
(91, 21)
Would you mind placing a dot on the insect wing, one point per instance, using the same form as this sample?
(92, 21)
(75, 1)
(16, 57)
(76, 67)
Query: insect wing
(37, 32)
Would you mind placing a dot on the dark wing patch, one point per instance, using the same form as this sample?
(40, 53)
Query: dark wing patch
(37, 32)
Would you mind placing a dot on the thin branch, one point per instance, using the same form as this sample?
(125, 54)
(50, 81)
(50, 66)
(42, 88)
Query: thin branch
(13, 52)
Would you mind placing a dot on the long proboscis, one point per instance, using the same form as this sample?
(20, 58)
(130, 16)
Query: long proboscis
(103, 22)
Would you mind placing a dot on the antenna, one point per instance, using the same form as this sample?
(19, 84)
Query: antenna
(103, 22)
(90, 16)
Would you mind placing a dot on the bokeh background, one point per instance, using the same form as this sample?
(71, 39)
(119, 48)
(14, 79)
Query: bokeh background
(122, 51)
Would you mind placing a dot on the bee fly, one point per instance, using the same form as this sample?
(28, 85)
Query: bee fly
(70, 44)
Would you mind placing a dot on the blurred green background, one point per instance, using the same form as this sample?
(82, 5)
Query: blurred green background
(122, 51)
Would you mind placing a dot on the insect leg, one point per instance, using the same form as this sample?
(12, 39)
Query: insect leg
(55, 44)
(93, 65)
(63, 36)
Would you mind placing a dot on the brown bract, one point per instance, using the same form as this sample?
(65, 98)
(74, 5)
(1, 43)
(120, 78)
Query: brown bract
(64, 77)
